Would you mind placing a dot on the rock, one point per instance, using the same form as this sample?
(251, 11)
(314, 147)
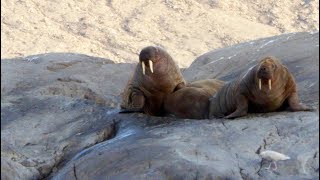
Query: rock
(298, 51)
(71, 75)
(48, 133)
(202, 149)
(55, 105)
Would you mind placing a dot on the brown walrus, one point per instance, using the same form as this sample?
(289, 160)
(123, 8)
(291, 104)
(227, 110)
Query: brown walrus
(266, 87)
(192, 101)
(155, 76)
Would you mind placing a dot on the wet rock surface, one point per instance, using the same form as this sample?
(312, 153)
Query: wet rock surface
(59, 120)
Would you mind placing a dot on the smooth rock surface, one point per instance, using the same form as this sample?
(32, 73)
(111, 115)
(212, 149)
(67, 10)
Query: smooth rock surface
(54, 105)
(57, 107)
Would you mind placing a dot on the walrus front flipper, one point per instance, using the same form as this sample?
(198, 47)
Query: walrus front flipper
(295, 104)
(241, 108)
(122, 111)
(134, 104)
(179, 86)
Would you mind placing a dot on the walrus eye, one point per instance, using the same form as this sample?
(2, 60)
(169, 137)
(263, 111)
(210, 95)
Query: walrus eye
(273, 66)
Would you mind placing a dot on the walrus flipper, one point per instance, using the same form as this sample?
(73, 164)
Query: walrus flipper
(242, 108)
(295, 104)
(133, 103)
(179, 86)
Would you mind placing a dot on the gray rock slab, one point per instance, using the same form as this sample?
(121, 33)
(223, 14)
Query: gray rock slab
(59, 120)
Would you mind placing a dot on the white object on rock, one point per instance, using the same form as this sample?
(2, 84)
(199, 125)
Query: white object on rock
(273, 156)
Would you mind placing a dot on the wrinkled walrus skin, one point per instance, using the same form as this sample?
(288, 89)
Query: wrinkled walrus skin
(276, 90)
(192, 101)
(155, 76)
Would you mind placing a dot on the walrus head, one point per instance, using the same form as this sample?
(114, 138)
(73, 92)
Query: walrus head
(266, 71)
(147, 57)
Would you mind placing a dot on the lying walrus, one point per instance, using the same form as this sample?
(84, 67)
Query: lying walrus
(266, 87)
(155, 76)
(192, 101)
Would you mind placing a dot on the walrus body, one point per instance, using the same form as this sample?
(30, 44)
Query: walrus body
(266, 87)
(155, 76)
(192, 101)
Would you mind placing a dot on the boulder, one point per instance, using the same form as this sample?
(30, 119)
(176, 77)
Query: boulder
(59, 120)
(54, 105)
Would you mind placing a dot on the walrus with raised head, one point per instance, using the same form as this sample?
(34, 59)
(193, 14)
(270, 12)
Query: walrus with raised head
(192, 101)
(266, 87)
(155, 76)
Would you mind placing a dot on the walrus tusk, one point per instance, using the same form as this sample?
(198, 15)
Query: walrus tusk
(259, 83)
(269, 82)
(151, 65)
(143, 68)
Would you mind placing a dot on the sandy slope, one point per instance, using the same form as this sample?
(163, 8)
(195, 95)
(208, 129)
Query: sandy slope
(119, 29)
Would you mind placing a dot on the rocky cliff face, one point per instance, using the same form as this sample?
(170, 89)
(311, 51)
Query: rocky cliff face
(59, 120)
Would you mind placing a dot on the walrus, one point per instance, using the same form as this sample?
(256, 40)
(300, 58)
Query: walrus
(155, 76)
(192, 101)
(265, 87)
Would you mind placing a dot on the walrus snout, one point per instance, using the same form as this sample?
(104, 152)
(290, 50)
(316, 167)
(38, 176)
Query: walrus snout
(147, 56)
(266, 70)
(148, 53)
(265, 73)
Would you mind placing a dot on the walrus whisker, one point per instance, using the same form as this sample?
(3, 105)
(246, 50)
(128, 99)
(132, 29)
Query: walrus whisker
(269, 82)
(151, 65)
(259, 83)
(143, 68)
